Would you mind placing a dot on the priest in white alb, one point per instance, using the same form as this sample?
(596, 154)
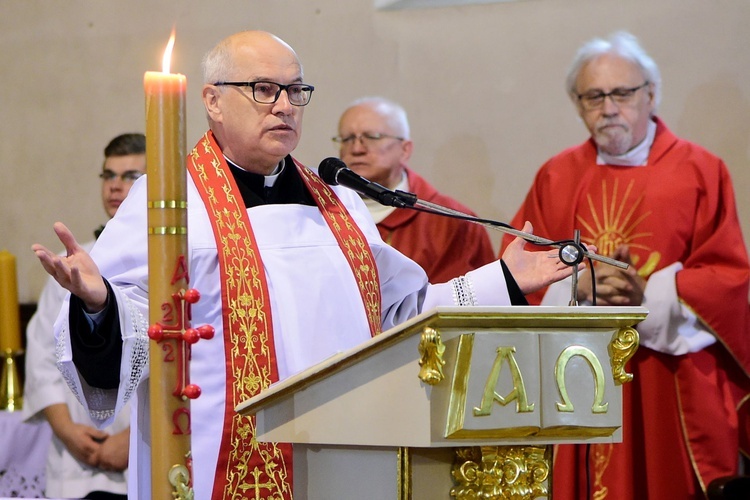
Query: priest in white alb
(290, 271)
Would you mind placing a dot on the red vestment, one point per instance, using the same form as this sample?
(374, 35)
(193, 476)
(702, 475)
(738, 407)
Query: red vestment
(681, 423)
(442, 246)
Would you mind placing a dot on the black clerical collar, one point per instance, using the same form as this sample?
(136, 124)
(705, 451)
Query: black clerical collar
(286, 187)
(268, 180)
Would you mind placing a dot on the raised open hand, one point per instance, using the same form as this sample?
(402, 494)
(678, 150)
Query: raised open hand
(76, 271)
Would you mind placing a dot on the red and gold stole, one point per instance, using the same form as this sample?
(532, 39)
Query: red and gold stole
(245, 466)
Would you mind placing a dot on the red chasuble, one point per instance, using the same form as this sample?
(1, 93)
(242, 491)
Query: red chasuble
(681, 424)
(442, 246)
(245, 466)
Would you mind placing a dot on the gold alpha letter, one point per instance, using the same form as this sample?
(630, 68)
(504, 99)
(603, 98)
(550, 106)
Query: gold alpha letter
(519, 390)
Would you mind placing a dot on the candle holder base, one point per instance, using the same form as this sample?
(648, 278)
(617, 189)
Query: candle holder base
(11, 396)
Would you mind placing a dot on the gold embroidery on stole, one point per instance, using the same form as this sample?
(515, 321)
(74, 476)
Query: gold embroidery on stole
(350, 238)
(245, 466)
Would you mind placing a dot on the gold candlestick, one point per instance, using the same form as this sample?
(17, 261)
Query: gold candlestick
(11, 395)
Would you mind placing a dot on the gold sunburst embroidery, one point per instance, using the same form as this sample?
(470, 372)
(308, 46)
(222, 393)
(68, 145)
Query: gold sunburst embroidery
(614, 224)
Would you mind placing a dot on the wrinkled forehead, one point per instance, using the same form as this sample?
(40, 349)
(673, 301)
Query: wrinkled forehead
(363, 116)
(609, 71)
(266, 59)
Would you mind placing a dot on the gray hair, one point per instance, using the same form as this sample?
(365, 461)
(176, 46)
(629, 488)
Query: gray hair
(620, 43)
(396, 114)
(217, 63)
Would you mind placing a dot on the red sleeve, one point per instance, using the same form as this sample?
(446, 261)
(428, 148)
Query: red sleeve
(718, 262)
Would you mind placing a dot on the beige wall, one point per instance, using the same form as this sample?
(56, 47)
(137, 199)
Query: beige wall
(483, 85)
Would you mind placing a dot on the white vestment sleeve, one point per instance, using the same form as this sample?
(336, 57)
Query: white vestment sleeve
(43, 384)
(103, 405)
(481, 287)
(65, 476)
(122, 258)
(670, 327)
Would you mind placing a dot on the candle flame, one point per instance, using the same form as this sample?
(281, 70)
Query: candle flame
(168, 53)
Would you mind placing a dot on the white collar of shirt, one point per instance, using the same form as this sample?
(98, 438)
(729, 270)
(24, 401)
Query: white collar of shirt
(270, 179)
(636, 157)
(380, 212)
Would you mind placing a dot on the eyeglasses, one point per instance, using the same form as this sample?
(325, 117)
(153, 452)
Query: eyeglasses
(367, 139)
(268, 92)
(128, 177)
(620, 96)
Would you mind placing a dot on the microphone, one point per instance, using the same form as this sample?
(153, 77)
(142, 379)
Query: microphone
(334, 172)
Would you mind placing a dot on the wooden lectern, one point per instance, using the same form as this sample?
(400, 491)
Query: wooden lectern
(458, 402)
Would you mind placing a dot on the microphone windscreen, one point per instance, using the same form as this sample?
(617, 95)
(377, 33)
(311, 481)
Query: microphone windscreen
(329, 168)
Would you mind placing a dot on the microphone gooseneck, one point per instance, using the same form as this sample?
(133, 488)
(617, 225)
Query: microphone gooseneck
(335, 172)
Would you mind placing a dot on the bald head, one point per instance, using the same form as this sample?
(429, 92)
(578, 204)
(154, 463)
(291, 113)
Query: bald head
(389, 111)
(254, 135)
(374, 135)
(219, 61)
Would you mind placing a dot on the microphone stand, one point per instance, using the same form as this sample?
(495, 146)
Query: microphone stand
(571, 253)
(574, 276)
(334, 172)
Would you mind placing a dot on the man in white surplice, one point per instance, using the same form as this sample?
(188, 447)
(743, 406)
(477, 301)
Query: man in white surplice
(254, 97)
